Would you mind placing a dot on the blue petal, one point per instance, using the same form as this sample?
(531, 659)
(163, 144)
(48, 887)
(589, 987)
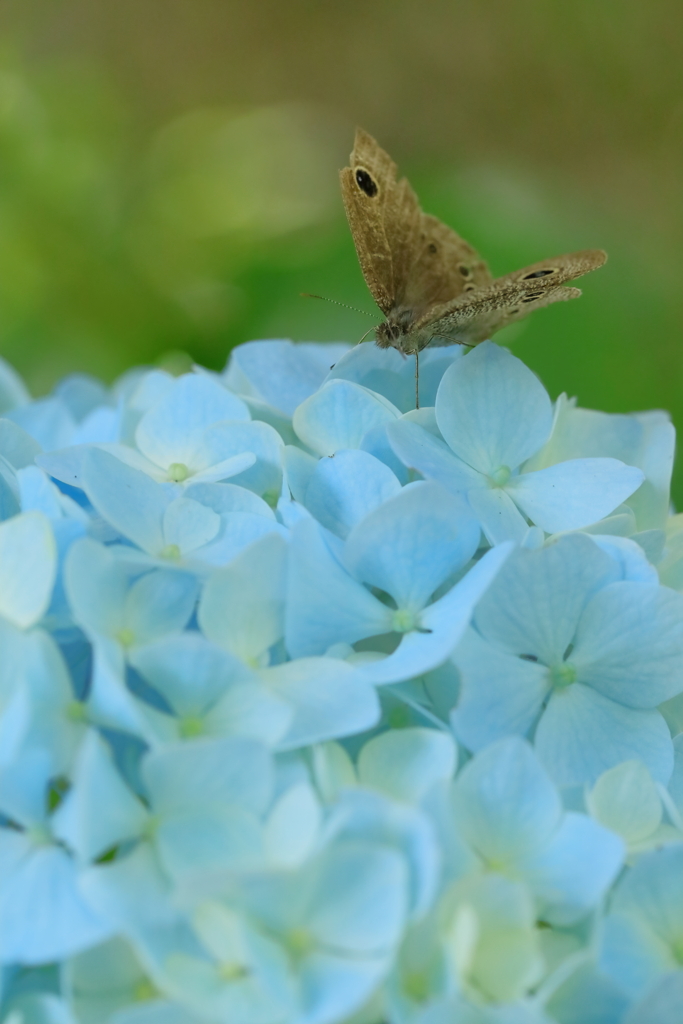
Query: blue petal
(328, 697)
(573, 494)
(325, 605)
(492, 410)
(443, 623)
(412, 543)
(504, 802)
(279, 372)
(629, 644)
(44, 915)
(339, 415)
(173, 428)
(344, 489)
(582, 733)
(500, 694)
(126, 498)
(535, 604)
(572, 874)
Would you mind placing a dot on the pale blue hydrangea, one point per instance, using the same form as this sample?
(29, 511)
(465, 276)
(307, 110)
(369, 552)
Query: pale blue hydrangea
(317, 708)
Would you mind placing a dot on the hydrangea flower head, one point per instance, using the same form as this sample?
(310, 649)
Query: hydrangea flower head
(316, 708)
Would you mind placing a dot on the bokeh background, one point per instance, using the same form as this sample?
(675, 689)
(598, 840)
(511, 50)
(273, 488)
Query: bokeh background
(168, 174)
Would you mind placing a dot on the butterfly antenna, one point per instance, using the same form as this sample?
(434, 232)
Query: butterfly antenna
(361, 340)
(335, 302)
(417, 379)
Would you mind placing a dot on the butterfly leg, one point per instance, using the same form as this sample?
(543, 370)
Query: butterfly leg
(417, 379)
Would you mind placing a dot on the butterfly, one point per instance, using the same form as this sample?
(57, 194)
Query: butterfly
(431, 285)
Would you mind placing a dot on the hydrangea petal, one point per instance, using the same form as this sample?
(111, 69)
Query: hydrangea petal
(411, 544)
(629, 644)
(442, 624)
(188, 525)
(171, 430)
(280, 372)
(28, 566)
(573, 494)
(224, 440)
(406, 763)
(500, 518)
(44, 915)
(231, 770)
(504, 802)
(390, 374)
(126, 498)
(418, 449)
(535, 604)
(558, 872)
(625, 800)
(99, 811)
(492, 410)
(500, 695)
(582, 733)
(325, 605)
(343, 489)
(339, 415)
(242, 605)
(329, 699)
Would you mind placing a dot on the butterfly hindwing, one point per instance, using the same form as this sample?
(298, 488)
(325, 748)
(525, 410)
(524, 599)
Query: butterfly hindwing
(476, 316)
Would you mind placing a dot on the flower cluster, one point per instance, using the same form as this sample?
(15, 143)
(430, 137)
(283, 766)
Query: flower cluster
(316, 707)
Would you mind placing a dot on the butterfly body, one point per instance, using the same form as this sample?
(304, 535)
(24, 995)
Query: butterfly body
(431, 285)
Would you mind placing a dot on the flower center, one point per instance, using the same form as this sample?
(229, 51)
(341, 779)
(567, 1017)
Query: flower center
(126, 637)
(76, 711)
(171, 551)
(191, 725)
(563, 675)
(178, 472)
(500, 476)
(299, 942)
(416, 986)
(233, 971)
(39, 834)
(144, 991)
(404, 621)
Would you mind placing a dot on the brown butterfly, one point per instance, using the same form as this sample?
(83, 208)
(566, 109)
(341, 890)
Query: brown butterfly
(431, 285)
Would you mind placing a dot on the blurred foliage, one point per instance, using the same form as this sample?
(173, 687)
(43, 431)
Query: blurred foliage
(168, 173)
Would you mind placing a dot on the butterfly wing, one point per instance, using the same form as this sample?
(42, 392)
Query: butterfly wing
(444, 266)
(476, 316)
(384, 217)
(409, 259)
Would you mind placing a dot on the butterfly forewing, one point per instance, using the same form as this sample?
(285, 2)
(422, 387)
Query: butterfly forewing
(384, 217)
(410, 260)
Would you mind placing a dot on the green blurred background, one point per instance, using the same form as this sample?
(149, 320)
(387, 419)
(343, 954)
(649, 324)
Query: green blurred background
(168, 173)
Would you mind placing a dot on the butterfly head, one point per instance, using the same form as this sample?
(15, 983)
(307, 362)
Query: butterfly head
(396, 332)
